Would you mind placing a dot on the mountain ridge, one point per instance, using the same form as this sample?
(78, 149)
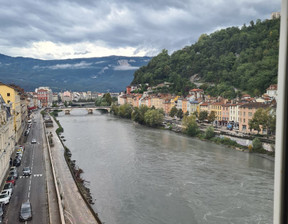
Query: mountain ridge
(102, 74)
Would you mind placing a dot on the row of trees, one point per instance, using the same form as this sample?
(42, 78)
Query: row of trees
(143, 115)
(233, 59)
(106, 100)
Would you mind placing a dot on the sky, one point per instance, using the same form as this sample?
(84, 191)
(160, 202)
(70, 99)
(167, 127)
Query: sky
(62, 29)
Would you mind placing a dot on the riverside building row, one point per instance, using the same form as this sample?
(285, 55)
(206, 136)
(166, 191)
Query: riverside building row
(238, 111)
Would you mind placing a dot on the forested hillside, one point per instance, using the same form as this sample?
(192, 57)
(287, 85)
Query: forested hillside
(228, 61)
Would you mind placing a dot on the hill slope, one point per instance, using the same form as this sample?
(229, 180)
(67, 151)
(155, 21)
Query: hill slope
(102, 74)
(234, 58)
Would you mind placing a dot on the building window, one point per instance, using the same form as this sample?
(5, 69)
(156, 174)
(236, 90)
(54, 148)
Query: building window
(8, 94)
(8, 101)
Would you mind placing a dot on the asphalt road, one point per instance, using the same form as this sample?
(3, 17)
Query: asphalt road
(31, 188)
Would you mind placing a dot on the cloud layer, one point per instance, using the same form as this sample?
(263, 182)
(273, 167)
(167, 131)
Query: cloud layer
(72, 29)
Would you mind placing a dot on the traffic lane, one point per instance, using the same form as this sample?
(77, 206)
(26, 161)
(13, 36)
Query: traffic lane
(20, 194)
(38, 197)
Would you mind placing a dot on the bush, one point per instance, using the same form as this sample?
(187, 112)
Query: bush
(59, 130)
(209, 133)
(257, 144)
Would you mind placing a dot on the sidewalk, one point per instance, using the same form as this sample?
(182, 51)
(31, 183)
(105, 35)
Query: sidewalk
(54, 214)
(76, 210)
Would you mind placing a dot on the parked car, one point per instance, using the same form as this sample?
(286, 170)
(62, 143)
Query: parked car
(8, 187)
(11, 179)
(33, 141)
(16, 162)
(13, 168)
(2, 208)
(5, 197)
(19, 156)
(25, 211)
(13, 173)
(26, 171)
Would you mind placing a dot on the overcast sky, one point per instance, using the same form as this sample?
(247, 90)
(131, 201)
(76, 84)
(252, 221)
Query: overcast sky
(59, 29)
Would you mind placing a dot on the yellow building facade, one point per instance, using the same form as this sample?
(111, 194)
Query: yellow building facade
(13, 97)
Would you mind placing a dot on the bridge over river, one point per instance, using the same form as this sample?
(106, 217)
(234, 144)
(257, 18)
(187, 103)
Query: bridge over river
(89, 109)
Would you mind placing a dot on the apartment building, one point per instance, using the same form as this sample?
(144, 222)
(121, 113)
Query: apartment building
(246, 113)
(7, 137)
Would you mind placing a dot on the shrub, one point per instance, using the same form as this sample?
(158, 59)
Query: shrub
(209, 133)
(257, 144)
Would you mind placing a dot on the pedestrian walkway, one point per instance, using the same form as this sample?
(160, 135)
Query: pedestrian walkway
(76, 211)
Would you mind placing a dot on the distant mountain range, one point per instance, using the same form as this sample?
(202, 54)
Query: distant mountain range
(103, 74)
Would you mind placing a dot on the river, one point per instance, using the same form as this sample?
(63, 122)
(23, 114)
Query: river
(141, 175)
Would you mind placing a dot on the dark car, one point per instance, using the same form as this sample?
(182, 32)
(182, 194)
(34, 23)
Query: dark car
(13, 173)
(2, 207)
(16, 162)
(11, 179)
(25, 211)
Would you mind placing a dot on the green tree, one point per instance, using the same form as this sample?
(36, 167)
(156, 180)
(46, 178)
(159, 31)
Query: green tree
(203, 115)
(190, 124)
(114, 109)
(107, 98)
(179, 114)
(139, 113)
(173, 111)
(211, 117)
(153, 118)
(125, 111)
(260, 118)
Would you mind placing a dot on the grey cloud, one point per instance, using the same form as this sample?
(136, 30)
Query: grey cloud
(149, 25)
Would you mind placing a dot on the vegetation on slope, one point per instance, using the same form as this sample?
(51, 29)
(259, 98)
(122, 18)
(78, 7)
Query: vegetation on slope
(244, 59)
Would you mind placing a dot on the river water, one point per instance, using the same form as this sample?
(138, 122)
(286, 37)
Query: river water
(141, 175)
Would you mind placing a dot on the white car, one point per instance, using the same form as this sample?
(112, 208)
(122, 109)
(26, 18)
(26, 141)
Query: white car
(5, 197)
(33, 141)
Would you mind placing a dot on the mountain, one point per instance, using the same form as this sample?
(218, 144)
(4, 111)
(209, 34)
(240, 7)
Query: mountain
(226, 62)
(101, 74)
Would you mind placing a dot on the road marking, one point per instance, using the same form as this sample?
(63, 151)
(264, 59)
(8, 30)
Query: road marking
(29, 195)
(37, 175)
(24, 177)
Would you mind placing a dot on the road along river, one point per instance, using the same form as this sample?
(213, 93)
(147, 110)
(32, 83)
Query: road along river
(141, 175)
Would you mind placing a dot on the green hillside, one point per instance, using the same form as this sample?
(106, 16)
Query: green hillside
(228, 61)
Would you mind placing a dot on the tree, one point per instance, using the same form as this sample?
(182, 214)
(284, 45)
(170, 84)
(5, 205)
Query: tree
(173, 111)
(261, 118)
(203, 115)
(153, 118)
(114, 109)
(125, 111)
(180, 114)
(107, 98)
(139, 113)
(190, 124)
(211, 117)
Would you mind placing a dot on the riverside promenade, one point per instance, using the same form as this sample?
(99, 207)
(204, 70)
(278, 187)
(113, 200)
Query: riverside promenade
(72, 208)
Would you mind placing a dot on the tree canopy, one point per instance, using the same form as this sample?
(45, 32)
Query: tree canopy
(233, 59)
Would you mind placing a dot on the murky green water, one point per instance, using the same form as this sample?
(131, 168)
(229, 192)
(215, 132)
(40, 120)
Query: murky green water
(141, 175)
